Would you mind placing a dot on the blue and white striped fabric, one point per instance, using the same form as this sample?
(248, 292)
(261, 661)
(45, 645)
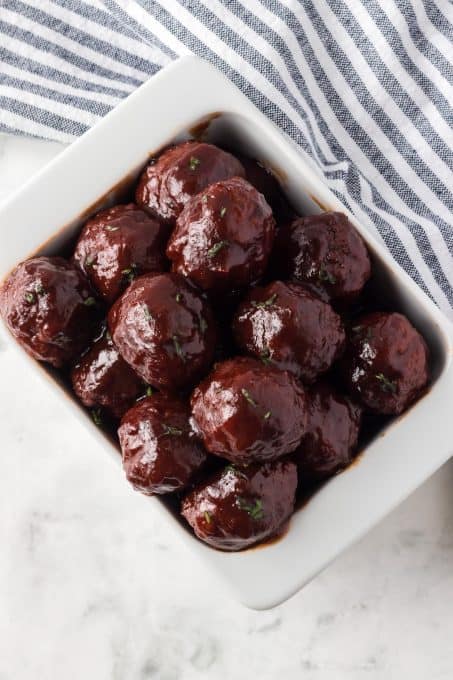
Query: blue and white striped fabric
(364, 86)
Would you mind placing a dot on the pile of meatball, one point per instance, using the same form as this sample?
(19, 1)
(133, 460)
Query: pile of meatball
(226, 337)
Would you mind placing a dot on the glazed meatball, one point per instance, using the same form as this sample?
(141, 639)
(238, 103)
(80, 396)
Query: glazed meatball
(246, 411)
(267, 184)
(324, 250)
(49, 308)
(332, 431)
(235, 508)
(181, 172)
(117, 245)
(223, 237)
(386, 364)
(288, 326)
(103, 379)
(164, 329)
(160, 451)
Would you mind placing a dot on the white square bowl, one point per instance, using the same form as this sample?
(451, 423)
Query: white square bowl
(92, 172)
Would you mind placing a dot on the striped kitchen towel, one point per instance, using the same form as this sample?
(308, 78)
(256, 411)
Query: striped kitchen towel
(363, 86)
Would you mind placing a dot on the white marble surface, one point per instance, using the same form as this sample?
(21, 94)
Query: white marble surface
(92, 587)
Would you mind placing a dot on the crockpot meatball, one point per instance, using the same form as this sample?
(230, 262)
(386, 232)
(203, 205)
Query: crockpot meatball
(386, 364)
(324, 250)
(181, 172)
(103, 379)
(49, 308)
(223, 237)
(164, 329)
(288, 326)
(246, 411)
(237, 508)
(267, 184)
(118, 244)
(330, 441)
(160, 450)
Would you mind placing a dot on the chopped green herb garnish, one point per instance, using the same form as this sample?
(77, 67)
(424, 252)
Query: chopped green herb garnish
(40, 289)
(130, 272)
(386, 384)
(255, 510)
(147, 313)
(178, 348)
(178, 297)
(267, 303)
(324, 275)
(265, 356)
(202, 324)
(207, 516)
(235, 471)
(170, 430)
(194, 163)
(216, 248)
(246, 394)
(267, 415)
(108, 336)
(90, 260)
(90, 302)
(149, 391)
(30, 298)
(97, 417)
(223, 211)
(110, 227)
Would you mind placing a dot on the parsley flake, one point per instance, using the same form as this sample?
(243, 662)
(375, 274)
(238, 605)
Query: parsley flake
(216, 248)
(30, 298)
(267, 303)
(194, 163)
(89, 302)
(255, 510)
(324, 275)
(97, 417)
(170, 430)
(246, 394)
(130, 272)
(207, 516)
(178, 349)
(149, 391)
(386, 384)
(223, 211)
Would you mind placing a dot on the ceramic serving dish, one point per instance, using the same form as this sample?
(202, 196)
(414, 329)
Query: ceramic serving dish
(191, 98)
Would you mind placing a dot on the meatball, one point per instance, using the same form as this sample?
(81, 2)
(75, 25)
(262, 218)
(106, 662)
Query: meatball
(181, 172)
(48, 306)
(160, 451)
(386, 364)
(118, 244)
(103, 379)
(246, 411)
(329, 444)
(267, 184)
(223, 237)
(164, 329)
(236, 508)
(288, 326)
(324, 250)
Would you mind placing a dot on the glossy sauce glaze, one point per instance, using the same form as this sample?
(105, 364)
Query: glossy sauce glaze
(181, 172)
(223, 237)
(232, 442)
(164, 329)
(119, 244)
(287, 326)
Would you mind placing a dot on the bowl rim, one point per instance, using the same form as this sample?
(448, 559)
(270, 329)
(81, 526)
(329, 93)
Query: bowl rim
(156, 113)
